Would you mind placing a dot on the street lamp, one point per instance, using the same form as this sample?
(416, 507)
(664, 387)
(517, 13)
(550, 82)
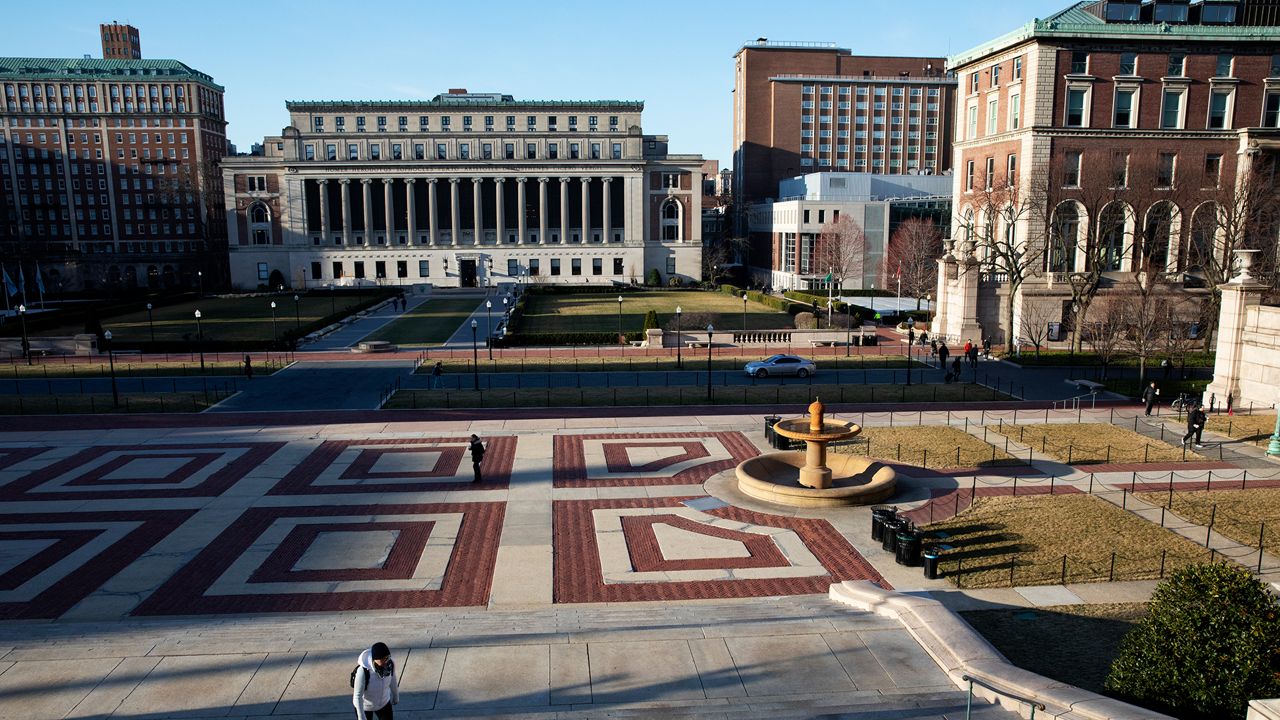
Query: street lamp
(475, 358)
(710, 331)
(848, 333)
(1273, 448)
(297, 314)
(620, 316)
(151, 322)
(200, 281)
(679, 342)
(744, 312)
(26, 344)
(275, 336)
(200, 341)
(911, 340)
(488, 325)
(111, 363)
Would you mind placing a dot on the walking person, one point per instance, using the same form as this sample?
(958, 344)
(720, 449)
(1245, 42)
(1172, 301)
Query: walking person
(933, 347)
(968, 347)
(436, 371)
(1195, 425)
(1149, 395)
(374, 686)
(955, 369)
(477, 455)
(986, 348)
(943, 352)
(248, 368)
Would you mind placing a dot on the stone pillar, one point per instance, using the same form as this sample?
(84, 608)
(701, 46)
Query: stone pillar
(607, 199)
(1237, 295)
(477, 211)
(433, 214)
(455, 223)
(521, 220)
(366, 186)
(388, 206)
(564, 209)
(324, 212)
(586, 209)
(542, 209)
(346, 211)
(499, 222)
(411, 207)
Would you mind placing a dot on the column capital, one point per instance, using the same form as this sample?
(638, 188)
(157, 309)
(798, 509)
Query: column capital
(586, 180)
(366, 181)
(565, 180)
(477, 180)
(522, 179)
(388, 181)
(606, 179)
(499, 180)
(323, 181)
(454, 180)
(543, 180)
(345, 181)
(433, 181)
(411, 180)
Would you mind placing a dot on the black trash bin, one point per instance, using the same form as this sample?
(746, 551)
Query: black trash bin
(879, 514)
(930, 564)
(908, 550)
(769, 421)
(889, 540)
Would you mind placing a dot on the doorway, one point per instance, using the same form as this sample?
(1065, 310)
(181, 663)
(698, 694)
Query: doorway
(467, 272)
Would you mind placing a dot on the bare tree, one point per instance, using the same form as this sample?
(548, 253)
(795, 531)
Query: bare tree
(913, 253)
(1177, 340)
(1146, 298)
(841, 249)
(1105, 332)
(1034, 324)
(714, 257)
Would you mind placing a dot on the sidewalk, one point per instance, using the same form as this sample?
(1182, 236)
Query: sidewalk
(348, 335)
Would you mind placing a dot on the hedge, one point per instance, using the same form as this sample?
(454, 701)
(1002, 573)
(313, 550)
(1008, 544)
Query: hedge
(777, 303)
(601, 289)
(570, 338)
(82, 313)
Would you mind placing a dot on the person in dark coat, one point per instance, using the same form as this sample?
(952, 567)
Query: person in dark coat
(943, 352)
(248, 368)
(1149, 395)
(1195, 425)
(477, 455)
(955, 368)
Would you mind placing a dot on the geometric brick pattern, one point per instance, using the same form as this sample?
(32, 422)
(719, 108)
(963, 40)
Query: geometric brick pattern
(13, 456)
(212, 584)
(579, 574)
(646, 552)
(398, 465)
(634, 459)
(142, 471)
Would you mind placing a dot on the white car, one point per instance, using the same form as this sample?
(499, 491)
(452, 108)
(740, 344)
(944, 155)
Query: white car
(781, 365)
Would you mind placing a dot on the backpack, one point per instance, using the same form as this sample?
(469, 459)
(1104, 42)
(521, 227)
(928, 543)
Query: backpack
(391, 670)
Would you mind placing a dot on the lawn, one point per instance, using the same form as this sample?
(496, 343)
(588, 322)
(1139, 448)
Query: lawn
(101, 403)
(798, 394)
(1074, 644)
(1254, 428)
(929, 446)
(578, 312)
(1240, 515)
(125, 366)
(1088, 443)
(432, 322)
(223, 318)
(693, 360)
(1005, 541)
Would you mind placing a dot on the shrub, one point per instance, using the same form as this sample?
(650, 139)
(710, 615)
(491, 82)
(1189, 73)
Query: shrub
(554, 339)
(650, 320)
(653, 278)
(1210, 642)
(806, 321)
(675, 281)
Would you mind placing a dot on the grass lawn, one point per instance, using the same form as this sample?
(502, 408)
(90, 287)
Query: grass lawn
(101, 403)
(928, 446)
(222, 318)
(1064, 357)
(432, 322)
(176, 366)
(693, 361)
(797, 394)
(1238, 514)
(1074, 644)
(1088, 443)
(599, 313)
(1012, 541)
(1254, 428)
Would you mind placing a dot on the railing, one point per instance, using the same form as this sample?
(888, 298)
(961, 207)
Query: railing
(968, 708)
(1074, 402)
(988, 277)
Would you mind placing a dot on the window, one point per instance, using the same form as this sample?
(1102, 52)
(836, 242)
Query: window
(1177, 61)
(513, 267)
(990, 179)
(331, 152)
(397, 151)
(257, 183)
(531, 121)
(575, 150)
(617, 151)
(1119, 169)
(968, 176)
(375, 152)
(263, 272)
(464, 151)
(1128, 63)
(1123, 117)
(1223, 67)
(1071, 168)
(441, 151)
(309, 152)
(353, 152)
(424, 268)
(575, 266)
(509, 151)
(1271, 110)
(1218, 13)
(1075, 108)
(595, 150)
(995, 75)
(1011, 171)
(1218, 103)
(419, 151)
(1123, 11)
(1079, 62)
(1165, 170)
(1017, 69)
(1275, 66)
(992, 110)
(531, 151)
(337, 270)
(597, 266)
(486, 151)
(1212, 169)
(1170, 12)
(1015, 112)
(617, 266)
(359, 269)
(972, 122)
(315, 271)
(1171, 110)
(973, 82)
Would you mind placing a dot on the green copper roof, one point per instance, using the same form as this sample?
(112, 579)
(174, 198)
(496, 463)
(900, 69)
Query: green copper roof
(17, 68)
(359, 105)
(1075, 22)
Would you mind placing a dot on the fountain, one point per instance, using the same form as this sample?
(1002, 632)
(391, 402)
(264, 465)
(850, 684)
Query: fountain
(811, 478)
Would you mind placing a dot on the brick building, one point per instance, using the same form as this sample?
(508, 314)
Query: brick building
(1101, 141)
(108, 172)
(466, 189)
(804, 107)
(120, 42)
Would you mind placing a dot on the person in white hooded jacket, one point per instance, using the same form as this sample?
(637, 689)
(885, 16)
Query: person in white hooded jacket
(376, 689)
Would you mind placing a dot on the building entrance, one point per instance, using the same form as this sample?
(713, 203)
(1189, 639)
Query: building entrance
(467, 272)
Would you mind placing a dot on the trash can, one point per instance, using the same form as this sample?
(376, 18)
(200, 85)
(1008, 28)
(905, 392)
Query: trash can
(908, 550)
(880, 514)
(930, 564)
(769, 421)
(889, 540)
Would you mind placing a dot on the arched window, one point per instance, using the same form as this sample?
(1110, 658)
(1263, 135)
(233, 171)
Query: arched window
(1111, 233)
(1159, 233)
(672, 230)
(1063, 239)
(1203, 250)
(258, 214)
(259, 224)
(968, 224)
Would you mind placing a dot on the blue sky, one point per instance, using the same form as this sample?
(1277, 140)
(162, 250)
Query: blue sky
(677, 57)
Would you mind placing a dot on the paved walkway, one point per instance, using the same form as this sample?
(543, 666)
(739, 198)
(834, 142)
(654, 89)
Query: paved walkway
(348, 335)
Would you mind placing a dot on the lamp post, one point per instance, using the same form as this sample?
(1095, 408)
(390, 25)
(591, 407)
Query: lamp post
(275, 336)
(848, 332)
(911, 340)
(1273, 447)
(111, 363)
(333, 300)
(710, 332)
(200, 283)
(151, 323)
(297, 314)
(679, 342)
(475, 357)
(200, 341)
(488, 326)
(619, 316)
(744, 312)
(26, 344)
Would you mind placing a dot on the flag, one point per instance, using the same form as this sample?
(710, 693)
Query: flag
(827, 278)
(39, 280)
(9, 288)
(22, 283)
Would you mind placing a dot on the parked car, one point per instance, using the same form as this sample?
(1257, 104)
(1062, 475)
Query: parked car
(781, 365)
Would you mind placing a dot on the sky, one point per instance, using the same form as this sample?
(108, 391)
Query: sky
(676, 57)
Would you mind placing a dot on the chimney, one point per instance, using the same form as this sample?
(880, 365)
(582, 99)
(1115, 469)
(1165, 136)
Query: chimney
(457, 91)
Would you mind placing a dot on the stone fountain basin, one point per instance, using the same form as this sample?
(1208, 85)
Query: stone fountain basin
(799, 429)
(855, 480)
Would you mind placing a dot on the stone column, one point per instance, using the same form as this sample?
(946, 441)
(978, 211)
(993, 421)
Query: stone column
(455, 223)
(324, 212)
(542, 209)
(564, 209)
(1237, 295)
(388, 206)
(346, 211)
(586, 209)
(498, 220)
(521, 221)
(411, 207)
(477, 210)
(366, 186)
(607, 198)
(433, 215)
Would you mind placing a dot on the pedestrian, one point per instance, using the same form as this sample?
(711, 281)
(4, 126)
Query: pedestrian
(1149, 395)
(436, 371)
(477, 455)
(1167, 366)
(968, 346)
(986, 348)
(955, 368)
(943, 353)
(374, 686)
(1195, 425)
(924, 337)
(933, 347)
(973, 357)
(248, 368)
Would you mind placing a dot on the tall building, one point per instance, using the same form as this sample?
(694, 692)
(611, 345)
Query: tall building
(108, 172)
(120, 42)
(1105, 139)
(466, 189)
(804, 107)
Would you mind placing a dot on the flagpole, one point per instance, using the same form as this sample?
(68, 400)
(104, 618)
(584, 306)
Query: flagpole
(831, 284)
(40, 285)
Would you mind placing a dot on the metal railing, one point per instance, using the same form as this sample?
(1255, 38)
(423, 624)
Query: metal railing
(1073, 403)
(968, 707)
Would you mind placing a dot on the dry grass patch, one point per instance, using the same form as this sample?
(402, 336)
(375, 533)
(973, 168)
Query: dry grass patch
(927, 446)
(1087, 443)
(1242, 515)
(101, 403)
(1071, 643)
(1253, 428)
(1010, 541)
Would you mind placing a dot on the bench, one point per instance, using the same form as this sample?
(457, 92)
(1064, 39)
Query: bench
(696, 344)
(1088, 386)
(821, 343)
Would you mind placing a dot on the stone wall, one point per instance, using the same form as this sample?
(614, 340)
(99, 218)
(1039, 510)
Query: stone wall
(1260, 357)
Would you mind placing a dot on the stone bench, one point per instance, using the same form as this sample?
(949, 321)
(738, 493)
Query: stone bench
(374, 346)
(1088, 386)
